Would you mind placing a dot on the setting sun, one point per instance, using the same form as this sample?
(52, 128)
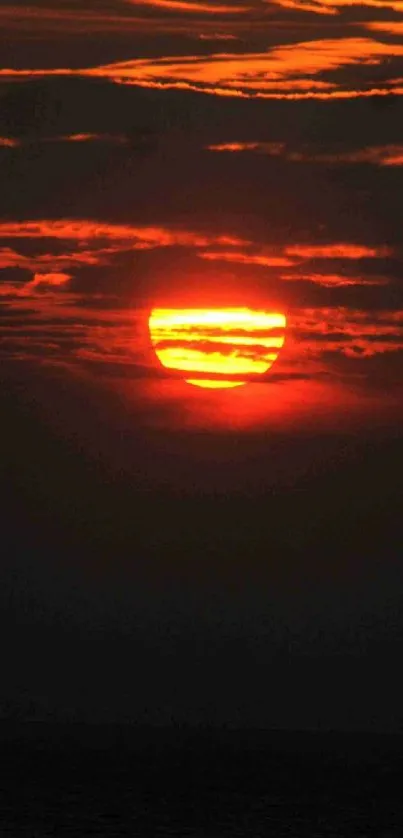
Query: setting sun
(217, 348)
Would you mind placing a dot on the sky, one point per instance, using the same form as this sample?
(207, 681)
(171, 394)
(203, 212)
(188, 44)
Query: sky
(173, 553)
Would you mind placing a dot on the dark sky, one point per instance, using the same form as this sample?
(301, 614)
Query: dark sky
(169, 552)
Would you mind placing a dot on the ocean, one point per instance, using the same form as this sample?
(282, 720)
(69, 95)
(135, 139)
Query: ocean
(79, 781)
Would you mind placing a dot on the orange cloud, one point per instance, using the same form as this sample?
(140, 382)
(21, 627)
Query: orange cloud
(328, 321)
(295, 255)
(386, 155)
(397, 160)
(135, 236)
(291, 255)
(49, 279)
(335, 280)
(118, 139)
(9, 142)
(330, 7)
(283, 72)
(269, 261)
(188, 18)
(337, 251)
(391, 27)
(217, 36)
(191, 6)
(10, 258)
(349, 332)
(306, 6)
(41, 281)
(30, 18)
(258, 72)
(85, 138)
(272, 149)
(97, 243)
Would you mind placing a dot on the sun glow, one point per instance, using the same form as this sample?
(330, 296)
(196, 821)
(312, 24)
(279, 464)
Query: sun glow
(220, 348)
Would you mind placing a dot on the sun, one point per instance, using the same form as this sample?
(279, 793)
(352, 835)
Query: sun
(217, 347)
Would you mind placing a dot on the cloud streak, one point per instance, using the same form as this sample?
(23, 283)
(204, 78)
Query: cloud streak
(192, 6)
(266, 261)
(349, 332)
(86, 230)
(339, 250)
(290, 71)
(332, 280)
(85, 243)
(331, 7)
(9, 142)
(382, 155)
(258, 74)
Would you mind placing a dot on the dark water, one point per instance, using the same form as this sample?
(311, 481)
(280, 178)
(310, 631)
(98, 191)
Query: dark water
(206, 785)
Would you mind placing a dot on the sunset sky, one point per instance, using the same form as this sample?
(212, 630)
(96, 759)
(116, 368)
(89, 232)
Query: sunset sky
(176, 153)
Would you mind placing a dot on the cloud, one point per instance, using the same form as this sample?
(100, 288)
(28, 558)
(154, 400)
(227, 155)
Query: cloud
(340, 250)
(348, 332)
(306, 6)
(74, 20)
(44, 284)
(50, 279)
(149, 17)
(268, 261)
(193, 6)
(217, 36)
(254, 73)
(109, 139)
(317, 338)
(135, 236)
(331, 7)
(391, 27)
(9, 142)
(88, 243)
(10, 258)
(387, 155)
(272, 149)
(287, 71)
(382, 155)
(335, 280)
(75, 324)
(291, 255)
(65, 246)
(299, 255)
(116, 139)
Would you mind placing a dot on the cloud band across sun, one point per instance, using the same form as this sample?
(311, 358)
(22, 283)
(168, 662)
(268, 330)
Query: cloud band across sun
(217, 348)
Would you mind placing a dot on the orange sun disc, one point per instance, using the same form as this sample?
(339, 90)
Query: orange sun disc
(218, 347)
